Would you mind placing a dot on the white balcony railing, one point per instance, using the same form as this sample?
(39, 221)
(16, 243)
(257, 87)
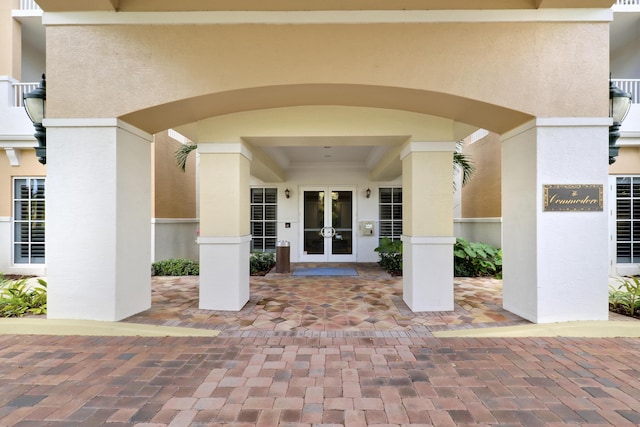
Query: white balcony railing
(32, 5)
(630, 85)
(628, 2)
(19, 89)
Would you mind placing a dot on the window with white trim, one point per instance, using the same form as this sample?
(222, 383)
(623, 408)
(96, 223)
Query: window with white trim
(628, 219)
(264, 219)
(390, 207)
(28, 221)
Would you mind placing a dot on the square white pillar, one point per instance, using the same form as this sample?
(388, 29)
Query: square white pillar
(555, 264)
(427, 273)
(224, 272)
(225, 170)
(427, 245)
(98, 203)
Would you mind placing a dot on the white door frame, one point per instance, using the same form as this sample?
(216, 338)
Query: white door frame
(328, 256)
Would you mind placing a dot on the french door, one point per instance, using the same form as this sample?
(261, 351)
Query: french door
(328, 215)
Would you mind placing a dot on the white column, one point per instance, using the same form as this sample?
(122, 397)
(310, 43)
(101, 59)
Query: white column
(98, 241)
(224, 225)
(427, 181)
(555, 263)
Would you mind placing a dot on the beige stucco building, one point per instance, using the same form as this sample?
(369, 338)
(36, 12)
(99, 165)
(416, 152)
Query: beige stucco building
(327, 127)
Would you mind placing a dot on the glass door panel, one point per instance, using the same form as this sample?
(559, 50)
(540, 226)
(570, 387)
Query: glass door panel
(313, 222)
(342, 222)
(327, 225)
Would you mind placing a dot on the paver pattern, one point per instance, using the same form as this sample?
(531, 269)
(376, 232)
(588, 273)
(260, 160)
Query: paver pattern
(371, 302)
(306, 375)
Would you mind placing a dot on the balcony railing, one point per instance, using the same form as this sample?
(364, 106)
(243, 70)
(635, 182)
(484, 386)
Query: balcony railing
(630, 85)
(628, 2)
(19, 89)
(32, 5)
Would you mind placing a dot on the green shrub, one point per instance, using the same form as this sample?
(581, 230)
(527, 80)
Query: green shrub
(625, 298)
(18, 298)
(390, 252)
(175, 267)
(261, 262)
(472, 259)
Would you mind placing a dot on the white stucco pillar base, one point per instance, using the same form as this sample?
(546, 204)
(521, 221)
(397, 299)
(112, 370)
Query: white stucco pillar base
(555, 263)
(427, 273)
(98, 201)
(224, 272)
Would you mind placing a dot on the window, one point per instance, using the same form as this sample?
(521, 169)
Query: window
(390, 212)
(28, 221)
(264, 219)
(628, 219)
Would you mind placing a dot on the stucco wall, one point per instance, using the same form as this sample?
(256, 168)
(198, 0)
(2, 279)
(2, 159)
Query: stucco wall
(174, 191)
(482, 197)
(627, 163)
(525, 66)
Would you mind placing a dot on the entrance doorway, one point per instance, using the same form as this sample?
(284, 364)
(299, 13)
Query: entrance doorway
(328, 215)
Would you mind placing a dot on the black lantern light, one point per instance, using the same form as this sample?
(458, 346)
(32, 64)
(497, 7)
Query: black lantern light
(35, 102)
(619, 104)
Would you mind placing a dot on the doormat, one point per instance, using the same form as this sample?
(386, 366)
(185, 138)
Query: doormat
(325, 271)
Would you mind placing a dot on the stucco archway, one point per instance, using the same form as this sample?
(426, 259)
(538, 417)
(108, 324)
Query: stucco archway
(137, 79)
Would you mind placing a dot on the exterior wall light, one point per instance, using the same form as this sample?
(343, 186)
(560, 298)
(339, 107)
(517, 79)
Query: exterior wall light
(367, 193)
(619, 104)
(287, 193)
(35, 103)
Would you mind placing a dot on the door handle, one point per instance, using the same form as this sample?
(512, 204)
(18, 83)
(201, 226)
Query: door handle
(328, 232)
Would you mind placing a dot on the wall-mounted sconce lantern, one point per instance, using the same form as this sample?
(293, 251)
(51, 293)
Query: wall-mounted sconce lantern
(367, 193)
(35, 103)
(619, 105)
(287, 193)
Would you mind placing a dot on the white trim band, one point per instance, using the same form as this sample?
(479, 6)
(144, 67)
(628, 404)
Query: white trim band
(224, 148)
(96, 123)
(5, 219)
(558, 122)
(326, 17)
(224, 240)
(428, 240)
(421, 147)
(174, 220)
(478, 220)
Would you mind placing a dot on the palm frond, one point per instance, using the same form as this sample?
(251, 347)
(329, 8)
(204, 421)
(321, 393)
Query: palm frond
(182, 155)
(463, 163)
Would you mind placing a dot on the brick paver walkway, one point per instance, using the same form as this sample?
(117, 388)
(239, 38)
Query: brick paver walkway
(321, 381)
(278, 363)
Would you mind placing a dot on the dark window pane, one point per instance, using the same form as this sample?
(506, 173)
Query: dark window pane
(271, 195)
(397, 195)
(270, 228)
(397, 212)
(624, 231)
(270, 212)
(624, 209)
(386, 228)
(270, 245)
(257, 229)
(257, 195)
(385, 212)
(385, 195)
(624, 252)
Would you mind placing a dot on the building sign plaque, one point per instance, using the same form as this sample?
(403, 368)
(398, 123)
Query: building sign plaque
(573, 197)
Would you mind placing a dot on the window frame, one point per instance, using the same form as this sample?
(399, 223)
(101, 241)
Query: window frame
(632, 219)
(268, 241)
(395, 223)
(31, 221)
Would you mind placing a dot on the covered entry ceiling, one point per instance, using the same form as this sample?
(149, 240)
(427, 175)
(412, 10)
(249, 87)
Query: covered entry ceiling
(309, 152)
